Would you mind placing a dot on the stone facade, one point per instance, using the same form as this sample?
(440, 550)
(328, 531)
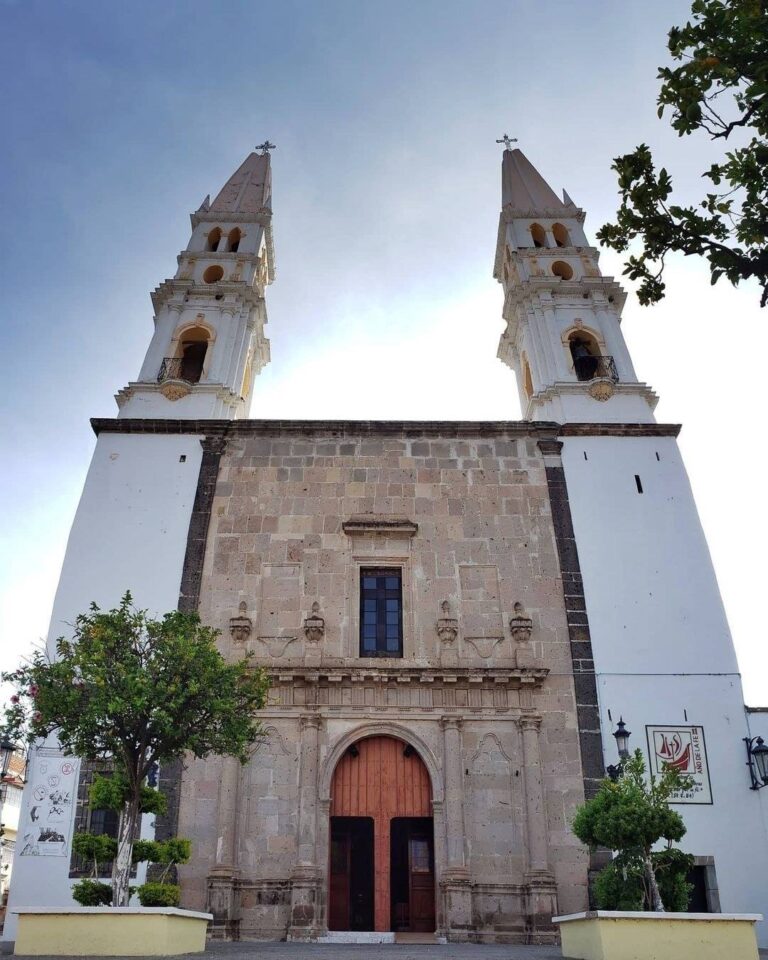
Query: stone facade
(484, 690)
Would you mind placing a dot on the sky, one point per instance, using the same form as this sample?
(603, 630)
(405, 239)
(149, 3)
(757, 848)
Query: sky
(119, 118)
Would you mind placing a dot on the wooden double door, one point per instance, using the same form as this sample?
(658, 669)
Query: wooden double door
(382, 871)
(353, 873)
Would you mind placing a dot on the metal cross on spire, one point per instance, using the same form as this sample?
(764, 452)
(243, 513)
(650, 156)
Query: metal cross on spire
(266, 147)
(507, 141)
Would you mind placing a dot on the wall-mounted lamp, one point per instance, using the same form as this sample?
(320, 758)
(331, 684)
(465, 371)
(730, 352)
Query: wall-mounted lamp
(7, 750)
(757, 761)
(621, 735)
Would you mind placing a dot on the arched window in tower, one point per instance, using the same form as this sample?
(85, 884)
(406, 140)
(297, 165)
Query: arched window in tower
(538, 235)
(233, 240)
(585, 351)
(192, 351)
(561, 235)
(213, 239)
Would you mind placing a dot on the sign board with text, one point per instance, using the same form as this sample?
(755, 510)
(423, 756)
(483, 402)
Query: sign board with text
(683, 748)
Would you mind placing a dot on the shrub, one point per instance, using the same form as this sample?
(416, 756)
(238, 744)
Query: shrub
(630, 815)
(159, 894)
(92, 893)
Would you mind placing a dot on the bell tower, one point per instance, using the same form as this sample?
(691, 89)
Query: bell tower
(209, 341)
(563, 336)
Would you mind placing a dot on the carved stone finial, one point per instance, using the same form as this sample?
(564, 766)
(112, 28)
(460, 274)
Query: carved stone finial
(447, 626)
(521, 628)
(314, 625)
(520, 625)
(240, 626)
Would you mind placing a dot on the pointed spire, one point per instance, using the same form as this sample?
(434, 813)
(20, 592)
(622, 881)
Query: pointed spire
(249, 189)
(567, 199)
(205, 206)
(523, 187)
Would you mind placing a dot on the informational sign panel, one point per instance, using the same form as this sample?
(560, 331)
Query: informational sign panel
(684, 749)
(46, 826)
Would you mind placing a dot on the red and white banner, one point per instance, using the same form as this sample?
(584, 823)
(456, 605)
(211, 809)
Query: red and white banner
(684, 749)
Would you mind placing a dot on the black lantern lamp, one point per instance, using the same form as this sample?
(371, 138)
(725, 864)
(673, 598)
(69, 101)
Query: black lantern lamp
(757, 761)
(7, 750)
(621, 735)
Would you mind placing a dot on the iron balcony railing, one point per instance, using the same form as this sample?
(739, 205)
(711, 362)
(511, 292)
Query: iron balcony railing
(593, 368)
(179, 368)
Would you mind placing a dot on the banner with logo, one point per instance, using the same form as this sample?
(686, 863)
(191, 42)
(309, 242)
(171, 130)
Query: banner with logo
(684, 749)
(46, 825)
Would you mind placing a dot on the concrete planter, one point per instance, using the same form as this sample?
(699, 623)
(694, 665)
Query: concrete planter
(621, 935)
(110, 931)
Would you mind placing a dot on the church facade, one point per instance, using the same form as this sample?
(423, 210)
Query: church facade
(454, 615)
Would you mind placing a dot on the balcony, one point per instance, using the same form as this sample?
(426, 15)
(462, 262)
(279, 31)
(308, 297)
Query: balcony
(595, 368)
(188, 369)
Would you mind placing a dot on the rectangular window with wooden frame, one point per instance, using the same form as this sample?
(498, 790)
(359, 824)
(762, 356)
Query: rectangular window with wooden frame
(381, 612)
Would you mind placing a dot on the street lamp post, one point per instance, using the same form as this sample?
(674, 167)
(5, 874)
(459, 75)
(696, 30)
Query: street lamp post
(622, 735)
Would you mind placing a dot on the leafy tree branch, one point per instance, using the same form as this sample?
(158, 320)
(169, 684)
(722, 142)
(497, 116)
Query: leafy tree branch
(722, 52)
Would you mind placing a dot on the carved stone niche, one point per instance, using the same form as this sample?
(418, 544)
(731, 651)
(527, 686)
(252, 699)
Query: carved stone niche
(521, 628)
(314, 625)
(240, 626)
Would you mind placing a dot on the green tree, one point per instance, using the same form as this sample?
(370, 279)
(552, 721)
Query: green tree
(719, 89)
(133, 691)
(630, 816)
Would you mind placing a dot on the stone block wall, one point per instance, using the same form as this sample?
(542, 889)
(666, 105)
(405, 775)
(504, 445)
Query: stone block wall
(467, 519)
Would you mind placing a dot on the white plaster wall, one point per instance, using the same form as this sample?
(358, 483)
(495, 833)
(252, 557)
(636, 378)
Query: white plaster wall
(653, 600)
(662, 648)
(129, 533)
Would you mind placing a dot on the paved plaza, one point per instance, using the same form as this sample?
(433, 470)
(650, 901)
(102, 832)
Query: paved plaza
(253, 950)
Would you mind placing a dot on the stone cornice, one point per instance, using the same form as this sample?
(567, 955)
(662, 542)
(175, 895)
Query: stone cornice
(570, 212)
(361, 673)
(509, 429)
(262, 216)
(620, 430)
(575, 388)
(554, 287)
(365, 526)
(238, 288)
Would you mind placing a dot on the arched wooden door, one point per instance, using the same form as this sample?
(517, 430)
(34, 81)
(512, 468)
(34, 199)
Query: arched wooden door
(382, 874)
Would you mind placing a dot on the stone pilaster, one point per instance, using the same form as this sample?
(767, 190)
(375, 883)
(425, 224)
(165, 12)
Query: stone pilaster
(541, 890)
(455, 879)
(222, 901)
(305, 892)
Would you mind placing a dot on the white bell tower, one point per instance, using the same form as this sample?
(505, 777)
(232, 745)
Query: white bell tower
(209, 341)
(563, 336)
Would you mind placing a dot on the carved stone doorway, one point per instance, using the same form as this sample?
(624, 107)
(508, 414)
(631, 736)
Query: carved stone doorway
(381, 782)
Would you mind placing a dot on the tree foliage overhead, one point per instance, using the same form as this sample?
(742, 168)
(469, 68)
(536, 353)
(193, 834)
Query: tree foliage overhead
(138, 691)
(135, 692)
(719, 89)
